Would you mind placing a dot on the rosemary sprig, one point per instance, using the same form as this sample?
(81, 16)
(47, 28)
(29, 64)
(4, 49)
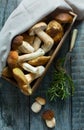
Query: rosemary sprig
(62, 85)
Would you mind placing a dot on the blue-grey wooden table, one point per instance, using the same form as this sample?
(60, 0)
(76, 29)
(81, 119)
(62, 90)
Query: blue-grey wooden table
(15, 108)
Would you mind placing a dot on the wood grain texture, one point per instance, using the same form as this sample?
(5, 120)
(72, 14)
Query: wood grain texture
(14, 106)
(77, 68)
(62, 109)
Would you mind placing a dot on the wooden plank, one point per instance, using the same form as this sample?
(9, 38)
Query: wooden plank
(62, 109)
(78, 78)
(14, 106)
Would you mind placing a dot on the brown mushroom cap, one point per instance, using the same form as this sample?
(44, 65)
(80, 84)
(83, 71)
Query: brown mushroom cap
(41, 25)
(7, 72)
(55, 30)
(19, 76)
(16, 42)
(41, 60)
(29, 39)
(41, 100)
(64, 18)
(12, 59)
(22, 81)
(48, 115)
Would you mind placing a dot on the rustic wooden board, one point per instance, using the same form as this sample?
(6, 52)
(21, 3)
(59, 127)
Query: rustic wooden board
(77, 68)
(15, 108)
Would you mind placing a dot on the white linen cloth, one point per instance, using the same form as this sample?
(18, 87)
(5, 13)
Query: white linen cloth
(27, 14)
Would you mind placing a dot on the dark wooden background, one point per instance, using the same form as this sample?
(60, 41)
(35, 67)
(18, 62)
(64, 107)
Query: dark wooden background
(15, 108)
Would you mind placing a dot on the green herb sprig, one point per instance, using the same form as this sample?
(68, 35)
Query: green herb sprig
(62, 85)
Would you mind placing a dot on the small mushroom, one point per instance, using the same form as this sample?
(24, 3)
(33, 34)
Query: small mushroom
(23, 46)
(38, 29)
(55, 30)
(30, 68)
(64, 18)
(7, 72)
(22, 81)
(13, 57)
(41, 100)
(48, 116)
(26, 57)
(27, 38)
(37, 105)
(31, 76)
(41, 60)
(36, 43)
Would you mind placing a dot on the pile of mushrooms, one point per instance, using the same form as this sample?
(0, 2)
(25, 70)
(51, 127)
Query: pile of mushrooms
(29, 53)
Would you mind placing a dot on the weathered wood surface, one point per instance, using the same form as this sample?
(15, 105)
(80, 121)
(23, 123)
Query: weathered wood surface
(77, 68)
(15, 108)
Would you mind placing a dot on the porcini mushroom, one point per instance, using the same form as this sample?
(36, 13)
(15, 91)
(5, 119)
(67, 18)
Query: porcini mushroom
(55, 30)
(13, 57)
(30, 68)
(48, 116)
(37, 105)
(38, 29)
(41, 60)
(29, 39)
(36, 43)
(22, 81)
(7, 72)
(31, 76)
(64, 17)
(32, 55)
(40, 100)
(23, 46)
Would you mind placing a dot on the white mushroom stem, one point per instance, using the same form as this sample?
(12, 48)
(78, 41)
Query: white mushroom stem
(26, 47)
(36, 107)
(31, 76)
(32, 69)
(26, 57)
(37, 43)
(48, 41)
(51, 123)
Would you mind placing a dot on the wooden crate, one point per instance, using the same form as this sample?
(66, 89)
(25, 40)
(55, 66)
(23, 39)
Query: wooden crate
(54, 51)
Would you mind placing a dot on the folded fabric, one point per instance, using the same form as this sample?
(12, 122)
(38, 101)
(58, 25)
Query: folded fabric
(26, 15)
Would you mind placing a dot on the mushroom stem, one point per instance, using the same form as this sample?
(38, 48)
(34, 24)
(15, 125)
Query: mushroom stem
(31, 69)
(22, 81)
(37, 43)
(32, 55)
(23, 46)
(26, 47)
(48, 41)
(31, 76)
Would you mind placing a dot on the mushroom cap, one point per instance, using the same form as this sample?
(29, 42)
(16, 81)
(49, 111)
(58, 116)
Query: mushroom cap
(36, 107)
(64, 18)
(41, 60)
(12, 59)
(51, 123)
(16, 42)
(22, 81)
(48, 115)
(41, 100)
(19, 76)
(26, 89)
(41, 25)
(7, 72)
(29, 39)
(55, 30)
